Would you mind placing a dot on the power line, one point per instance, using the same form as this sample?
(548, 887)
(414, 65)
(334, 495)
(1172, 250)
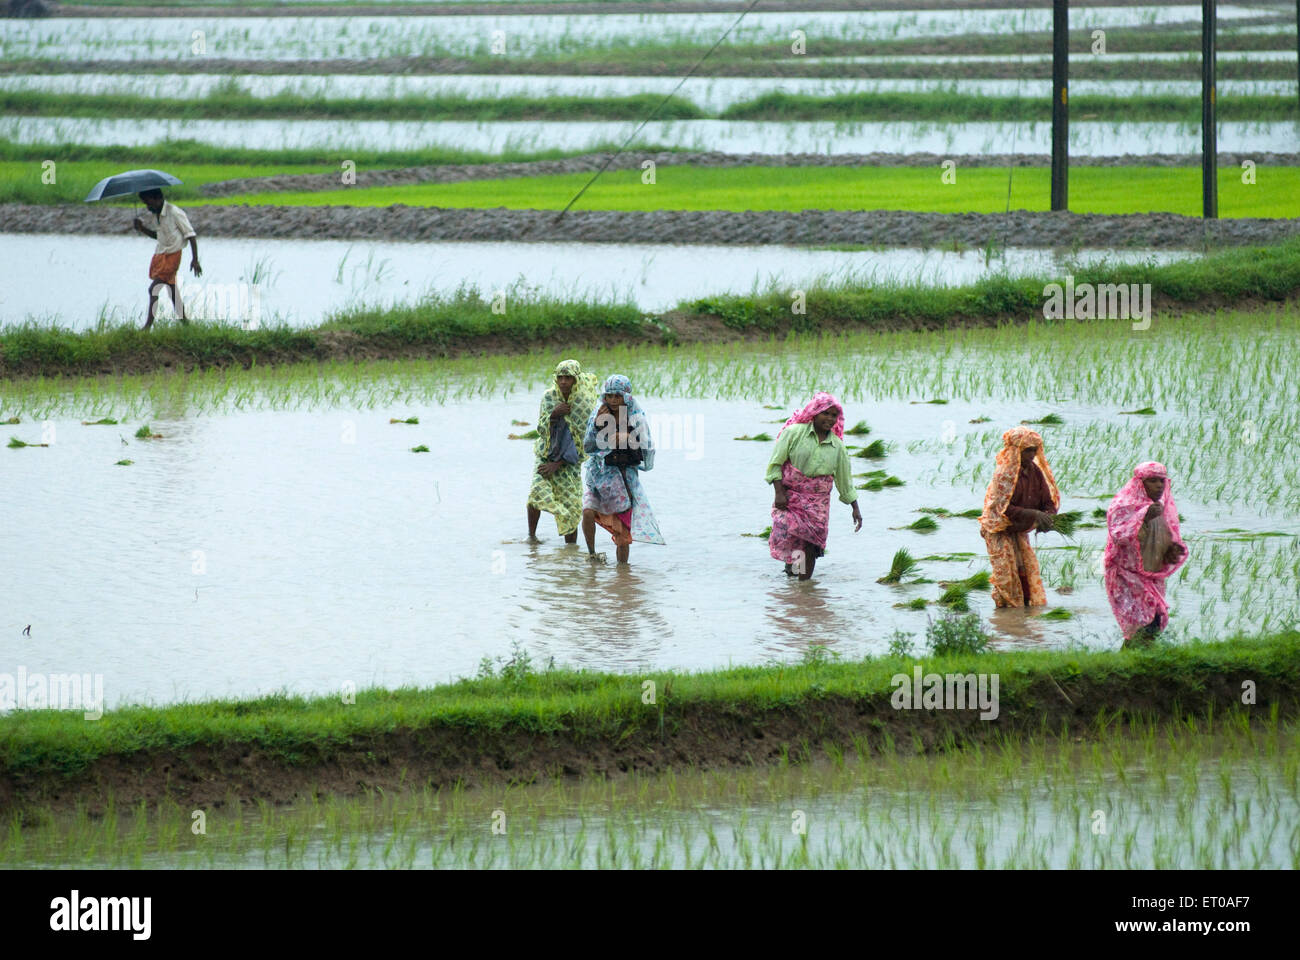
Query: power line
(689, 74)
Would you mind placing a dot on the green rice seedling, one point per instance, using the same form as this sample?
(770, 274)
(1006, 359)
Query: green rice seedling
(420, 449)
(974, 513)
(124, 463)
(872, 451)
(859, 429)
(954, 597)
(1099, 513)
(1057, 613)
(876, 483)
(953, 634)
(758, 436)
(924, 524)
(937, 511)
(982, 420)
(916, 603)
(977, 581)
(146, 433)
(16, 444)
(892, 481)
(902, 564)
(1047, 420)
(103, 421)
(946, 557)
(772, 406)
(530, 435)
(767, 532)
(414, 420)
(1142, 412)
(930, 401)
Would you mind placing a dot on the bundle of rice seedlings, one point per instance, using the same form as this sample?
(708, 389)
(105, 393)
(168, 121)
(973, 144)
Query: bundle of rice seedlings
(124, 463)
(1099, 513)
(420, 449)
(12, 420)
(1060, 613)
(530, 435)
(146, 433)
(871, 473)
(978, 581)
(1067, 522)
(974, 513)
(764, 535)
(902, 564)
(924, 524)
(1047, 420)
(874, 484)
(982, 420)
(1142, 411)
(757, 436)
(859, 429)
(872, 451)
(104, 421)
(954, 597)
(518, 423)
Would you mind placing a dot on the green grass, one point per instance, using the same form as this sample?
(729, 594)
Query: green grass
(242, 105)
(583, 706)
(466, 318)
(20, 180)
(1111, 190)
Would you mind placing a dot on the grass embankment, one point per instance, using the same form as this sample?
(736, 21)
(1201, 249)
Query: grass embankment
(938, 106)
(466, 321)
(522, 725)
(1111, 190)
(79, 166)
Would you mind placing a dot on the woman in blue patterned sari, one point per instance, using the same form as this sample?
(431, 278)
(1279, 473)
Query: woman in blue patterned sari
(618, 448)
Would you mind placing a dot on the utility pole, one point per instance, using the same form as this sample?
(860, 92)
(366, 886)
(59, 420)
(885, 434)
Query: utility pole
(1209, 132)
(1061, 104)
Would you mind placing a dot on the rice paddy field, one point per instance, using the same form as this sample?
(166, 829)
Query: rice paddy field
(326, 499)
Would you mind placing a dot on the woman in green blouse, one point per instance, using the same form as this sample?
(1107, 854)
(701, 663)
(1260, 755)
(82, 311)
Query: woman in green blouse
(809, 459)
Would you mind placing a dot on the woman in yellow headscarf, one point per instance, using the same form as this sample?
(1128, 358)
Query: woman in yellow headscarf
(1021, 497)
(557, 474)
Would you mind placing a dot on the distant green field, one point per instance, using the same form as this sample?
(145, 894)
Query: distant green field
(977, 190)
(21, 181)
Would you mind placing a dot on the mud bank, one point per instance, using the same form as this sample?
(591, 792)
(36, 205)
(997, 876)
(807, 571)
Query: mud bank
(591, 162)
(870, 227)
(698, 721)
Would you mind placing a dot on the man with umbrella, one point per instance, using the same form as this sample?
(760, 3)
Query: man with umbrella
(171, 230)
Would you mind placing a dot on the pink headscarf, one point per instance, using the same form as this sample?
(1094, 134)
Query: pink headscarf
(821, 401)
(1137, 595)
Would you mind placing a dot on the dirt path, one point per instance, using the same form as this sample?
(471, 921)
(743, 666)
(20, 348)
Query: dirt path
(811, 227)
(591, 162)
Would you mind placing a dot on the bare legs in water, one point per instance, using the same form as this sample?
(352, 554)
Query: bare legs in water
(589, 534)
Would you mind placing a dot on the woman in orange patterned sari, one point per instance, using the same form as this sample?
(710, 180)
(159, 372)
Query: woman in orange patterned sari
(1021, 497)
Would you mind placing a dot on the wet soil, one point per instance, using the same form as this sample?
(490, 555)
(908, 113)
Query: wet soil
(891, 228)
(692, 736)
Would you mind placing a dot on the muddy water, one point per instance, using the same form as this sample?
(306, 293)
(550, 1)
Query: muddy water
(305, 549)
(1087, 138)
(710, 93)
(290, 38)
(301, 281)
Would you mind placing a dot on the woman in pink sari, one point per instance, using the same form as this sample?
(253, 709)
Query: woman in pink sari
(809, 459)
(1143, 548)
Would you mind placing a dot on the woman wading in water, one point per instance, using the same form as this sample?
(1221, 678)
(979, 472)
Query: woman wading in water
(557, 474)
(1143, 548)
(808, 460)
(617, 442)
(1021, 497)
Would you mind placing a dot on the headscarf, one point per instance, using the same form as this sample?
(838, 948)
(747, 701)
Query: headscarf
(821, 401)
(638, 424)
(582, 401)
(1128, 511)
(1006, 471)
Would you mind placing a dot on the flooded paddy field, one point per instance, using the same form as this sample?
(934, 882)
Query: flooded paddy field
(712, 94)
(1087, 138)
(300, 282)
(211, 565)
(290, 38)
(1223, 798)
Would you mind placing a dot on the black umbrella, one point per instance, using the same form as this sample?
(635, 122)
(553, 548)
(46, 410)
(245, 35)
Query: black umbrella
(133, 181)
